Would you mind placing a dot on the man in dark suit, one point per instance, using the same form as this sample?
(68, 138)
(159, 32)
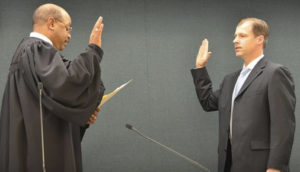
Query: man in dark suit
(256, 105)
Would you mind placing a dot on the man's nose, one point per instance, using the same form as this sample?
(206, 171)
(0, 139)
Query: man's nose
(69, 36)
(235, 40)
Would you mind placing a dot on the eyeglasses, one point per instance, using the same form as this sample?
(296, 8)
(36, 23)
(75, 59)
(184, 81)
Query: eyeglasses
(68, 28)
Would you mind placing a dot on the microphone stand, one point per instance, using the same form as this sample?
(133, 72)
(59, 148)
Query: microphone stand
(130, 127)
(40, 86)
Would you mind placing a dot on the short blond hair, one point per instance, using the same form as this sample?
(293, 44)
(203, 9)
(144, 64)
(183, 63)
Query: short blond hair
(259, 27)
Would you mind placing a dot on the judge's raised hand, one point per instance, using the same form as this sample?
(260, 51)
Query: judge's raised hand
(93, 116)
(96, 34)
(203, 54)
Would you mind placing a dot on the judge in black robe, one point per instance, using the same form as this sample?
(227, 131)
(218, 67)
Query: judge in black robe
(72, 90)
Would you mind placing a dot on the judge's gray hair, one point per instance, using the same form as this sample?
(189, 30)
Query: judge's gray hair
(45, 11)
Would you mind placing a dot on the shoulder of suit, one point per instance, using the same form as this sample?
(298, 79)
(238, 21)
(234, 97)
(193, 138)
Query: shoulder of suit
(274, 69)
(274, 66)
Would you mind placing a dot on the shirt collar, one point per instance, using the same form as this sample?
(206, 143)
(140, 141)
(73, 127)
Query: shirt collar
(253, 63)
(41, 36)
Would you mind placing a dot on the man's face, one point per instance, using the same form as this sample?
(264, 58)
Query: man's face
(245, 42)
(62, 32)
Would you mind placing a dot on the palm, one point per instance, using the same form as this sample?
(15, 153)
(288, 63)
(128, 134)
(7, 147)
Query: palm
(203, 54)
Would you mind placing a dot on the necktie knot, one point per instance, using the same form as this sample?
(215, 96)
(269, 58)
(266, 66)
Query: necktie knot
(240, 81)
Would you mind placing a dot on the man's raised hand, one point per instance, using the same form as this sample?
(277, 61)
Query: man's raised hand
(203, 54)
(96, 34)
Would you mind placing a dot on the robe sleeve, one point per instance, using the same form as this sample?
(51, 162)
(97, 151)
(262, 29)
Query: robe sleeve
(71, 89)
(82, 131)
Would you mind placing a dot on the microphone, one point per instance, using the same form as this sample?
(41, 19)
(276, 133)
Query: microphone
(40, 86)
(130, 127)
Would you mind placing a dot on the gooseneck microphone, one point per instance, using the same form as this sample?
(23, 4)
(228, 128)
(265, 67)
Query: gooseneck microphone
(40, 86)
(130, 127)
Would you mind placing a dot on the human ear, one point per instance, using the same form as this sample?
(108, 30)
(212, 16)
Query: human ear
(260, 39)
(51, 23)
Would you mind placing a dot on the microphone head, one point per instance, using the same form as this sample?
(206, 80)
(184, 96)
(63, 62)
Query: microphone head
(40, 85)
(129, 126)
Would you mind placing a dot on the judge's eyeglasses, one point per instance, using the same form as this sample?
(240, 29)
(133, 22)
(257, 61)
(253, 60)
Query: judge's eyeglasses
(68, 28)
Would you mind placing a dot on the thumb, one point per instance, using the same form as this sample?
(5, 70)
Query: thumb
(208, 55)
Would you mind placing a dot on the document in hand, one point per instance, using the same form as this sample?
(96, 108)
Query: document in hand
(108, 96)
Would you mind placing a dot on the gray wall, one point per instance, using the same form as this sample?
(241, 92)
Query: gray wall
(155, 43)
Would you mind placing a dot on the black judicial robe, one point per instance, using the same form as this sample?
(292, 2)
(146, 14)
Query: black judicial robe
(72, 91)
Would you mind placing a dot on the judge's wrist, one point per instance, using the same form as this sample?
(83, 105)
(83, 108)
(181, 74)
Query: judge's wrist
(98, 49)
(199, 66)
(94, 44)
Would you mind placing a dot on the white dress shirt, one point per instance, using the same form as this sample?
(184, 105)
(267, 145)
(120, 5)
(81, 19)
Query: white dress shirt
(40, 36)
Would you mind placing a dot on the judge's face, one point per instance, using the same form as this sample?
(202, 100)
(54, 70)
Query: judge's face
(62, 32)
(245, 42)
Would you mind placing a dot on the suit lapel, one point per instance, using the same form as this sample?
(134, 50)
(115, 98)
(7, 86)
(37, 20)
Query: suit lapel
(257, 70)
(231, 83)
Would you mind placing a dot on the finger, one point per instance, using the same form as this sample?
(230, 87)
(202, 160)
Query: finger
(206, 45)
(94, 117)
(101, 28)
(89, 122)
(208, 55)
(98, 109)
(98, 23)
(202, 48)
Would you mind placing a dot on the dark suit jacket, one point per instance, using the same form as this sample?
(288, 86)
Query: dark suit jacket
(263, 116)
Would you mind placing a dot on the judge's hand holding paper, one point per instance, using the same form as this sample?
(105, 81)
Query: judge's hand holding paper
(105, 98)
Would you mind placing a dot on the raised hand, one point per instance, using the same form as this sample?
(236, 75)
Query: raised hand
(203, 54)
(96, 34)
